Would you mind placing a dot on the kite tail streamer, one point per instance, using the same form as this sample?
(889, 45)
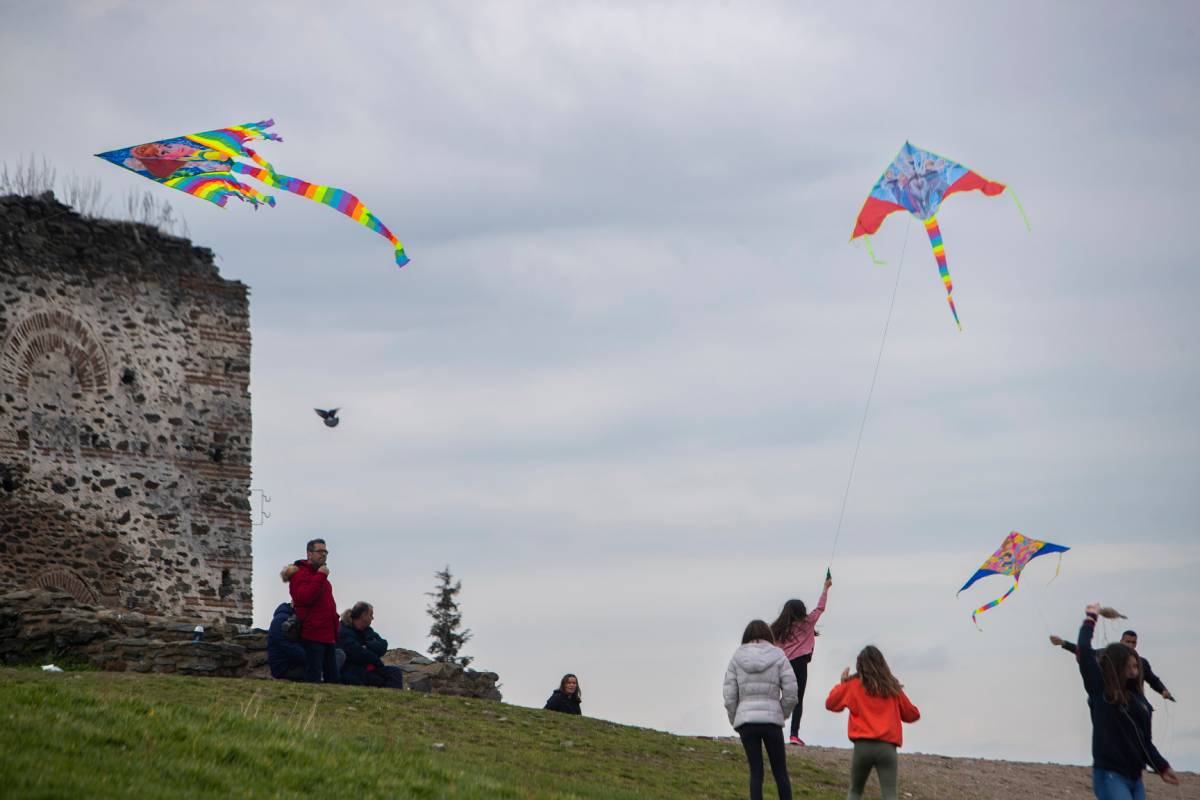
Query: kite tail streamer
(871, 251)
(1020, 208)
(218, 189)
(231, 141)
(994, 603)
(338, 199)
(939, 253)
(1057, 570)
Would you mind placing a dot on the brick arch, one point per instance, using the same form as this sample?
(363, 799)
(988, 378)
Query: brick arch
(69, 582)
(54, 331)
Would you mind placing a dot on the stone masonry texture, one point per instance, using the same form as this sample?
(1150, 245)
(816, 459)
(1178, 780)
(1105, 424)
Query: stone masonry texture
(124, 417)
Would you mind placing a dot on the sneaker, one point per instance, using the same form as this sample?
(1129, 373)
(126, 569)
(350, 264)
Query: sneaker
(796, 740)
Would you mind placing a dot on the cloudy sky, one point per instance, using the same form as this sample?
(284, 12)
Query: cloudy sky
(617, 389)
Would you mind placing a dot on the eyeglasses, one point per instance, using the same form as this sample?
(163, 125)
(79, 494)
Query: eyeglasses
(319, 552)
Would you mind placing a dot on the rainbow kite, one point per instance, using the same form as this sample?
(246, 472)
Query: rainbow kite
(1010, 559)
(917, 181)
(202, 164)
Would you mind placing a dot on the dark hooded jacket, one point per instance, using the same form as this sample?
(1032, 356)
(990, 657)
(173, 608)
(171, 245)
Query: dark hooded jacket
(282, 654)
(364, 652)
(312, 597)
(566, 703)
(1147, 673)
(1120, 733)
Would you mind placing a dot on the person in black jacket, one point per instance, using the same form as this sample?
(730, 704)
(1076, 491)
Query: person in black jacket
(1121, 745)
(566, 698)
(284, 656)
(1130, 640)
(364, 649)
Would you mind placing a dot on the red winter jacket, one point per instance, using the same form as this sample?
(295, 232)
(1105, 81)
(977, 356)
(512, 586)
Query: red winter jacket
(872, 717)
(312, 598)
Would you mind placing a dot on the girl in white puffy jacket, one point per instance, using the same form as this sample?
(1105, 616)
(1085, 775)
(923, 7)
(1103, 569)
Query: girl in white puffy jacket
(760, 692)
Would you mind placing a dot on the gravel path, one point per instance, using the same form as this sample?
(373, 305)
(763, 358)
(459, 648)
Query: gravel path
(930, 777)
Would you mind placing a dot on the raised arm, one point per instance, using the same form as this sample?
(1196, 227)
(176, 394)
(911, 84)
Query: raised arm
(1093, 681)
(908, 712)
(816, 613)
(837, 699)
(1058, 641)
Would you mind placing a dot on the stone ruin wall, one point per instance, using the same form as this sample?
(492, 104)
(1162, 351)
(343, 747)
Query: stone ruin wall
(124, 416)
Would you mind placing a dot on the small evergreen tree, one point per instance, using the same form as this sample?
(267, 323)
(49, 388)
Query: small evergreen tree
(447, 640)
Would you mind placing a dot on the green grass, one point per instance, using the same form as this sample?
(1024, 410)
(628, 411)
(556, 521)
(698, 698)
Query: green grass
(96, 734)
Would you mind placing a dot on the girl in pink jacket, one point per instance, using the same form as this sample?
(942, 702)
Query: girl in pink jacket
(795, 633)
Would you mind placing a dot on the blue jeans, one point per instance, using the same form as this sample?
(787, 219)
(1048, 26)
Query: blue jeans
(1109, 785)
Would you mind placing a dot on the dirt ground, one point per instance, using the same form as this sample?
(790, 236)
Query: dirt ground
(930, 777)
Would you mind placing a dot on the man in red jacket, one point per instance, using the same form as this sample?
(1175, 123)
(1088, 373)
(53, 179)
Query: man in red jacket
(312, 598)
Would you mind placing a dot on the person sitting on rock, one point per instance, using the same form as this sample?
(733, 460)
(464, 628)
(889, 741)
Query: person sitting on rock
(364, 649)
(566, 698)
(284, 656)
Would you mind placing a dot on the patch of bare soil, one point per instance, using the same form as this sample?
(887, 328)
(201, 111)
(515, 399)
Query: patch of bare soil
(930, 777)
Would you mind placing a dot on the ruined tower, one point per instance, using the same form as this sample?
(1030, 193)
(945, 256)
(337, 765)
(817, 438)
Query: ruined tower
(124, 416)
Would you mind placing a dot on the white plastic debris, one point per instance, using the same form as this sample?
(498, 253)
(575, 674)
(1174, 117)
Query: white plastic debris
(51, 668)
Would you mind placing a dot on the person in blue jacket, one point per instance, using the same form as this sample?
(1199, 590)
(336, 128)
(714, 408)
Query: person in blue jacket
(284, 657)
(1121, 745)
(364, 649)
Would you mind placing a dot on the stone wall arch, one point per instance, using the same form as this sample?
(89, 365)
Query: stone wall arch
(54, 331)
(68, 581)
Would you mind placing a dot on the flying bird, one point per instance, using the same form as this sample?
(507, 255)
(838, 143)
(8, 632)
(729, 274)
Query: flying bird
(330, 417)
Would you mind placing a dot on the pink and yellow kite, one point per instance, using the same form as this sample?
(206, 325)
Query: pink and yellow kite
(1010, 559)
(202, 164)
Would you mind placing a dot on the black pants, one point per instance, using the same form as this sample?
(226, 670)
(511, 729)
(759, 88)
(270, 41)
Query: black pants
(800, 667)
(320, 661)
(388, 677)
(755, 735)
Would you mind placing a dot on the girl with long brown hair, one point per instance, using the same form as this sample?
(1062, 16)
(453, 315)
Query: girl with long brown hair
(795, 632)
(878, 705)
(1121, 745)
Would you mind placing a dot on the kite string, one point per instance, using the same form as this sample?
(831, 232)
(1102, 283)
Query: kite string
(870, 393)
(1042, 614)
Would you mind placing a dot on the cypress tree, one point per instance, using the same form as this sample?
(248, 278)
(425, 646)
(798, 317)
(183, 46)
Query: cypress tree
(447, 640)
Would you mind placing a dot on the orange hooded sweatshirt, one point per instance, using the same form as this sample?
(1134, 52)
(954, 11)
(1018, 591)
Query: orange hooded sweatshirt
(871, 717)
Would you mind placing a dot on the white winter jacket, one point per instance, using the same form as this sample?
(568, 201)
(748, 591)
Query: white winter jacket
(759, 685)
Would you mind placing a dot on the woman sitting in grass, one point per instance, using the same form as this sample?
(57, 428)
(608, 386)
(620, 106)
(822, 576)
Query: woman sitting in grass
(566, 698)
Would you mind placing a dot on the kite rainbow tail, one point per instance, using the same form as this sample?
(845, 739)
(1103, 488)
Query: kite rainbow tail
(217, 189)
(995, 602)
(338, 199)
(939, 253)
(232, 140)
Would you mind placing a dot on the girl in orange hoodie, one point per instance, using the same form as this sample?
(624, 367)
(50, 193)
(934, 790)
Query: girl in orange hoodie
(877, 706)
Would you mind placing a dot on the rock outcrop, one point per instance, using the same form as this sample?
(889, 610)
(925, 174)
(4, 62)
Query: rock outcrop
(50, 625)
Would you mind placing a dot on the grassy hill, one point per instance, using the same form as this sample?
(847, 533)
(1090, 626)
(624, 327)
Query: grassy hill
(96, 734)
